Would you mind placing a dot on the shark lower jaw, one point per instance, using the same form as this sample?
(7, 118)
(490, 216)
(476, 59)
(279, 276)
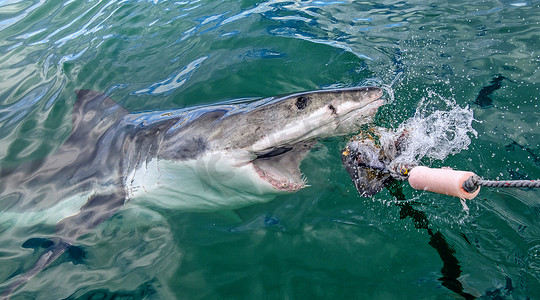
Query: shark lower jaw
(280, 183)
(280, 166)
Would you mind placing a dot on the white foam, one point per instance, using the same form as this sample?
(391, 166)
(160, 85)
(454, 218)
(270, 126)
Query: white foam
(439, 128)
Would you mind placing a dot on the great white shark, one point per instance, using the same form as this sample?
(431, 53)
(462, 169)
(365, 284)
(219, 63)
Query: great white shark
(209, 158)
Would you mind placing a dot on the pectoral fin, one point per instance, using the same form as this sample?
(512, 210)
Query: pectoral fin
(46, 258)
(97, 209)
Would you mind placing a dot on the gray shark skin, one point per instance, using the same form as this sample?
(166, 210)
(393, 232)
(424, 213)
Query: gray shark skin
(208, 158)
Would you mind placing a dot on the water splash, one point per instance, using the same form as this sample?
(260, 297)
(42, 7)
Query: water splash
(439, 128)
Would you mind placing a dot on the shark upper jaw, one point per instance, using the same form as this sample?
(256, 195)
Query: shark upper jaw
(278, 156)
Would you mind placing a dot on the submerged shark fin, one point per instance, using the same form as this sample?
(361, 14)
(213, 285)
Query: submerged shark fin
(97, 209)
(44, 260)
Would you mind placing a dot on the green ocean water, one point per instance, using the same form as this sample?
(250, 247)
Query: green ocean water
(324, 242)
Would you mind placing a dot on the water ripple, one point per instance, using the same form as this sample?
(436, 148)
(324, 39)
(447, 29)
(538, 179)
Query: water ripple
(11, 21)
(173, 81)
(153, 53)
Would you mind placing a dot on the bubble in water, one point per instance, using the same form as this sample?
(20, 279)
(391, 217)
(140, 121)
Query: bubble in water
(534, 258)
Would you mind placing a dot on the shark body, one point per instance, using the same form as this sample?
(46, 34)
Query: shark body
(200, 159)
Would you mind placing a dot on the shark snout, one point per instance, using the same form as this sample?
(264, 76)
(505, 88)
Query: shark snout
(374, 93)
(363, 101)
(367, 95)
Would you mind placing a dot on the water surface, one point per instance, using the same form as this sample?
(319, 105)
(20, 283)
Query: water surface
(325, 241)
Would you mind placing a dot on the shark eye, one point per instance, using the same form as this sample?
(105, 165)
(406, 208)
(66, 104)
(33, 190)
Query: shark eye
(302, 102)
(332, 108)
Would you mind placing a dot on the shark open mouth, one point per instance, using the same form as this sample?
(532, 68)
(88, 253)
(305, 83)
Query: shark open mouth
(281, 166)
(278, 157)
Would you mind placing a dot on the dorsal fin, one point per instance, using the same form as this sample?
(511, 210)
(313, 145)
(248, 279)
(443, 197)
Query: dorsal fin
(94, 109)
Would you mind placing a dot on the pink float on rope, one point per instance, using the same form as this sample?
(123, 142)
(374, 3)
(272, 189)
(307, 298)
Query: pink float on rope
(442, 181)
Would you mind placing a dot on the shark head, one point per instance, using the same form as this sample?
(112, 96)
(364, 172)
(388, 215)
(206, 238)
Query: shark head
(296, 122)
(314, 115)
(257, 149)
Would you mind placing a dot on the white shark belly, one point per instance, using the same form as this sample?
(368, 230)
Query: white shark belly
(214, 182)
(49, 216)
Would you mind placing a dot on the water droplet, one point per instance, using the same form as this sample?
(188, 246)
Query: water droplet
(534, 258)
